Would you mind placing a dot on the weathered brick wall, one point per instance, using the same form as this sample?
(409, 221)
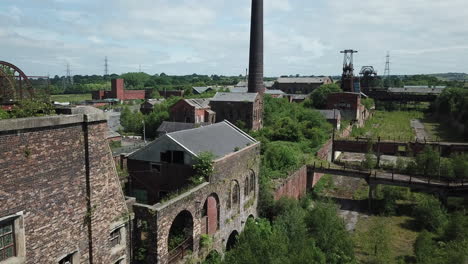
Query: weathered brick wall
(230, 169)
(243, 111)
(295, 186)
(42, 173)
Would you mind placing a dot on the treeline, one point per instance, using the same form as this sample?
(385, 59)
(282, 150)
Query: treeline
(451, 107)
(138, 80)
(414, 80)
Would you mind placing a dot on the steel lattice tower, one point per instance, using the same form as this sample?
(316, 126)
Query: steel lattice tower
(387, 66)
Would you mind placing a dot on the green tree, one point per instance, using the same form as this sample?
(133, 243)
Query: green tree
(379, 238)
(320, 95)
(429, 212)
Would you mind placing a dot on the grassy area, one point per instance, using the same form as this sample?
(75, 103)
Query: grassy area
(389, 125)
(401, 238)
(70, 97)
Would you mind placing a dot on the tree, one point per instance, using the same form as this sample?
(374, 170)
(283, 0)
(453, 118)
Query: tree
(320, 95)
(379, 238)
(427, 162)
(424, 247)
(429, 213)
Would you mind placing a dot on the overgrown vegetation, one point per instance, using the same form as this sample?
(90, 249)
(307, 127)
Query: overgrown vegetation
(451, 107)
(28, 108)
(389, 125)
(295, 234)
(203, 168)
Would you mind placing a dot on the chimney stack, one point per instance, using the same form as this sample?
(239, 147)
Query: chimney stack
(256, 49)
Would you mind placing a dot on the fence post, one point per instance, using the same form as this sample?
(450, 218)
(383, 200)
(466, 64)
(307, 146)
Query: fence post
(393, 174)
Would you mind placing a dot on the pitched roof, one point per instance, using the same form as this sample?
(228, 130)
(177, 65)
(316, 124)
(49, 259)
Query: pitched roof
(235, 97)
(198, 103)
(245, 84)
(220, 139)
(303, 80)
(274, 92)
(169, 127)
(201, 90)
(330, 114)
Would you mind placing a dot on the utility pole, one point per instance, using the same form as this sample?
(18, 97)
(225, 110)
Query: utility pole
(144, 131)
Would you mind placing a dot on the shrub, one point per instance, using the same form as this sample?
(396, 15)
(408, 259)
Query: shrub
(429, 213)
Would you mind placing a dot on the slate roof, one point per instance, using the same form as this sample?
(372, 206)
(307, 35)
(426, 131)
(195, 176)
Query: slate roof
(245, 84)
(234, 97)
(220, 139)
(198, 103)
(154, 101)
(169, 127)
(330, 114)
(302, 80)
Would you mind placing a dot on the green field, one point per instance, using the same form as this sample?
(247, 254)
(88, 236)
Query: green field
(70, 97)
(401, 238)
(394, 125)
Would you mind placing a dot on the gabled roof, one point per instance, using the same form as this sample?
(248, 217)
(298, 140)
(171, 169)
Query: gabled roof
(235, 97)
(220, 139)
(198, 103)
(169, 127)
(245, 84)
(416, 89)
(201, 90)
(154, 101)
(303, 80)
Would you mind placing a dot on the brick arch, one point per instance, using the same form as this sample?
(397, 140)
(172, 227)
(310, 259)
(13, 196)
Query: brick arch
(180, 236)
(252, 181)
(232, 240)
(211, 214)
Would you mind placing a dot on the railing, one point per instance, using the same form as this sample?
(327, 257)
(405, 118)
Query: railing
(179, 252)
(392, 176)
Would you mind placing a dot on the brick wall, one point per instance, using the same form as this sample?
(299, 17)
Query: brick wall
(134, 95)
(43, 174)
(295, 186)
(154, 222)
(250, 113)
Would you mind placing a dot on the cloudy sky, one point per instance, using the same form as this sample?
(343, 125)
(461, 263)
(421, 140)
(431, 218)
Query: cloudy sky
(212, 36)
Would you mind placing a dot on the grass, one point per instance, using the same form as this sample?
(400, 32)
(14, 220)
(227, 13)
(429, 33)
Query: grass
(401, 238)
(393, 125)
(70, 97)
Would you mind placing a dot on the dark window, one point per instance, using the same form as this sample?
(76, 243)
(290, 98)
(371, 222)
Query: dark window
(166, 156)
(235, 194)
(114, 239)
(120, 261)
(7, 240)
(156, 168)
(67, 260)
(178, 157)
(163, 194)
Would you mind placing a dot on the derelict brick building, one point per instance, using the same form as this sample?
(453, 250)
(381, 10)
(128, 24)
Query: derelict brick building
(219, 207)
(48, 168)
(235, 107)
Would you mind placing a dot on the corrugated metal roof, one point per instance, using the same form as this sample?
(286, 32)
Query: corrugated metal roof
(234, 97)
(303, 80)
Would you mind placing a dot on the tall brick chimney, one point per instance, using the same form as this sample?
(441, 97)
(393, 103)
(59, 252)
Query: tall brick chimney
(256, 49)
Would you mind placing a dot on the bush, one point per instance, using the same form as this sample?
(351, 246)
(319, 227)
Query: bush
(430, 213)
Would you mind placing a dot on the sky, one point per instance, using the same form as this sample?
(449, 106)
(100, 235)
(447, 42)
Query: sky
(212, 36)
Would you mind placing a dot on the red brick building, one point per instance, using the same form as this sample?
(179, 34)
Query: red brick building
(118, 92)
(192, 111)
(60, 198)
(246, 108)
(348, 103)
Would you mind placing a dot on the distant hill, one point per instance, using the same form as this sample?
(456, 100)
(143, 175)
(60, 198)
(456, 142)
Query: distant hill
(451, 76)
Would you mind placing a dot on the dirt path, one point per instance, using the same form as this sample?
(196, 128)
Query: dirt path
(421, 133)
